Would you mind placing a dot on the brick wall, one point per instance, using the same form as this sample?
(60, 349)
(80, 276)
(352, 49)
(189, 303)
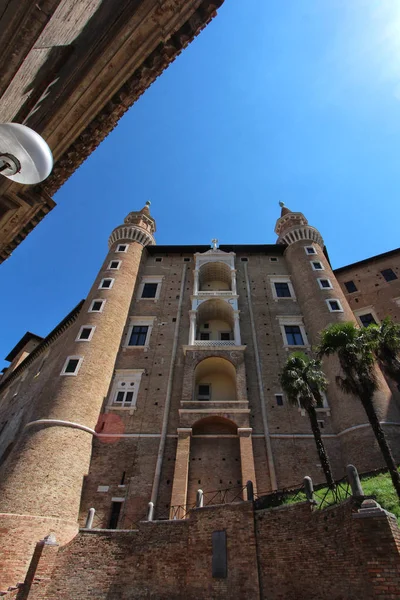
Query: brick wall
(290, 553)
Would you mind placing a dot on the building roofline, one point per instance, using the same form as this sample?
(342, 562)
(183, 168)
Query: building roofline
(19, 345)
(238, 248)
(367, 260)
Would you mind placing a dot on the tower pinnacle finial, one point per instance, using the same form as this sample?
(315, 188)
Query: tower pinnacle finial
(148, 202)
(215, 244)
(281, 204)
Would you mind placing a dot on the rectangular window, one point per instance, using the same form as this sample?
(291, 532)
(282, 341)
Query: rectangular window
(334, 305)
(282, 289)
(186, 259)
(106, 284)
(310, 250)
(124, 397)
(350, 286)
(367, 319)
(273, 259)
(225, 335)
(389, 274)
(317, 266)
(97, 306)
(122, 248)
(85, 333)
(325, 284)
(244, 259)
(138, 335)
(204, 392)
(204, 335)
(279, 399)
(114, 516)
(114, 265)
(149, 290)
(158, 259)
(293, 335)
(125, 389)
(72, 365)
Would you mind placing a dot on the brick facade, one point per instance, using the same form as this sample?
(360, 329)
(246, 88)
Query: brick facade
(169, 443)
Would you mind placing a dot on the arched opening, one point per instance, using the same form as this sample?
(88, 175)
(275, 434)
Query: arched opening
(215, 276)
(215, 380)
(214, 462)
(215, 321)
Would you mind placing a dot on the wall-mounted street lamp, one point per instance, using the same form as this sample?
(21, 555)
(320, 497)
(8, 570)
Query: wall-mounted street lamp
(24, 155)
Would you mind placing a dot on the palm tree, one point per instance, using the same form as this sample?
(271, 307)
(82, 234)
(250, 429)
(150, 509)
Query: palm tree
(355, 351)
(385, 339)
(303, 382)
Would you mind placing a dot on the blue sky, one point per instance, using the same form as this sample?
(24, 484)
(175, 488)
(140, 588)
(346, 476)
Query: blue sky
(296, 101)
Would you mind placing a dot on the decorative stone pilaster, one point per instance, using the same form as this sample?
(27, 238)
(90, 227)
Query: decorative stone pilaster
(234, 286)
(247, 457)
(192, 327)
(180, 483)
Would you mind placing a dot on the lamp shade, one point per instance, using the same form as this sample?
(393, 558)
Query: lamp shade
(31, 151)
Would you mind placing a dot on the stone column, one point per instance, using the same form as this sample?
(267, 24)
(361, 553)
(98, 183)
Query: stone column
(192, 329)
(196, 282)
(247, 457)
(234, 287)
(180, 483)
(236, 328)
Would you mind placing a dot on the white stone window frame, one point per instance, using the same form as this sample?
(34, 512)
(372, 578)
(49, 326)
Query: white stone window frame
(124, 246)
(282, 279)
(321, 287)
(106, 279)
(310, 253)
(110, 268)
(334, 310)
(127, 376)
(150, 279)
(103, 302)
(314, 268)
(359, 312)
(293, 320)
(91, 327)
(77, 368)
(281, 395)
(139, 322)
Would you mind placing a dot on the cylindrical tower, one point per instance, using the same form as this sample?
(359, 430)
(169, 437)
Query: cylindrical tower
(41, 481)
(322, 302)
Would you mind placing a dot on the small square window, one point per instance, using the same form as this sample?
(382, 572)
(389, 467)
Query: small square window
(273, 259)
(367, 319)
(334, 306)
(204, 391)
(122, 248)
(225, 335)
(350, 286)
(325, 284)
(106, 284)
(206, 325)
(114, 265)
(293, 335)
(282, 289)
(310, 250)
(204, 336)
(389, 274)
(279, 399)
(72, 365)
(321, 424)
(244, 259)
(97, 306)
(149, 290)
(158, 259)
(317, 266)
(186, 259)
(85, 334)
